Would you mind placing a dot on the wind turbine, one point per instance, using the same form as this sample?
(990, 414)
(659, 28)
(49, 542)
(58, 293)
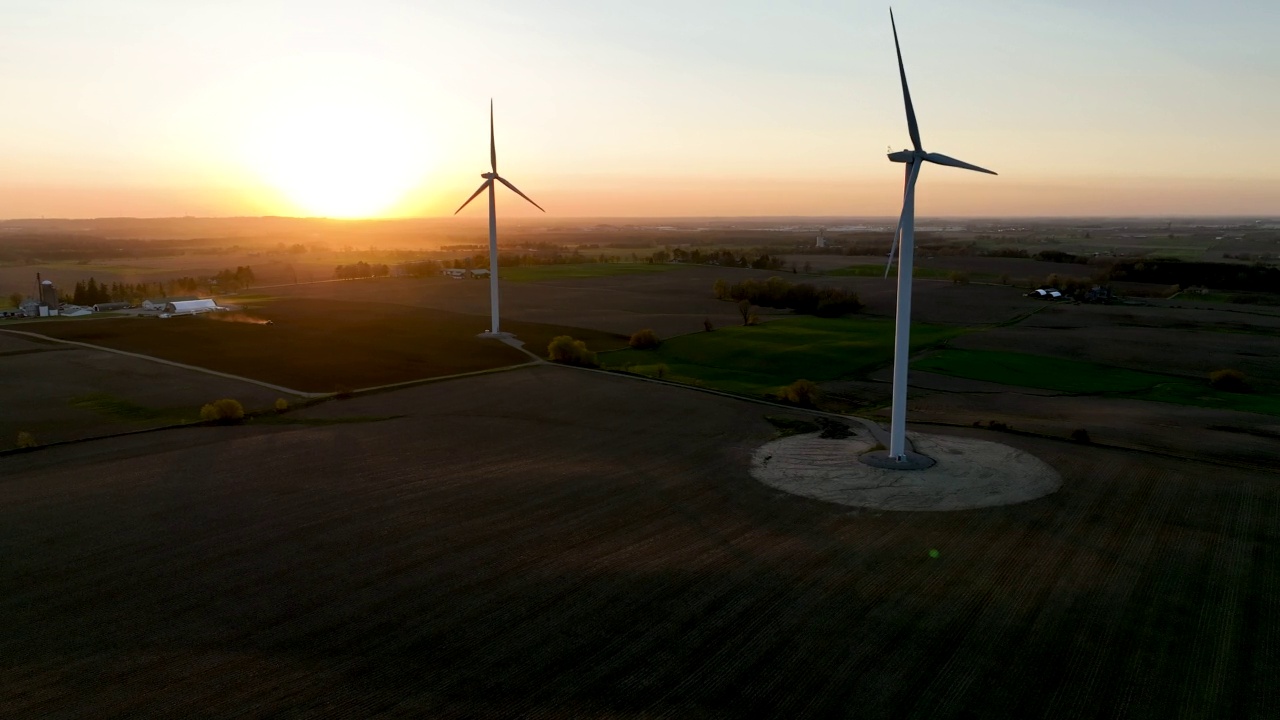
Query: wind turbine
(489, 177)
(905, 237)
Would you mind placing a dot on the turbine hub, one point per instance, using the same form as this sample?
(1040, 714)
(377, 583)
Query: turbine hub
(488, 175)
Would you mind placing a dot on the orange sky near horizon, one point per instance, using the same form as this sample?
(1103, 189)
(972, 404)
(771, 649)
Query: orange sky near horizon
(282, 107)
(682, 197)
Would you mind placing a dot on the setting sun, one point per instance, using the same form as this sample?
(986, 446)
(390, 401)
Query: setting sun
(338, 160)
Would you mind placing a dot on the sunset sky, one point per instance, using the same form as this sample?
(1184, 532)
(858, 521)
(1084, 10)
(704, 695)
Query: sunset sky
(666, 108)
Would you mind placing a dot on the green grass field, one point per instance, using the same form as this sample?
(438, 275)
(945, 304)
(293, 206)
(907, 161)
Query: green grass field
(760, 359)
(1075, 376)
(531, 273)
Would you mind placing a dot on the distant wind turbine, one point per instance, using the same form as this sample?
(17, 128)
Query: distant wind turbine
(489, 177)
(905, 236)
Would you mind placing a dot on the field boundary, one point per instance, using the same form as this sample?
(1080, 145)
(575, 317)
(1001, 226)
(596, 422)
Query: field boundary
(872, 427)
(1104, 445)
(196, 368)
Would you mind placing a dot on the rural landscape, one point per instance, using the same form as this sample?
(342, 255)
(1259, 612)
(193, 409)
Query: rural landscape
(696, 406)
(411, 520)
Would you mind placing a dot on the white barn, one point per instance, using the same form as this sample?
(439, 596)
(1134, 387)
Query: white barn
(190, 307)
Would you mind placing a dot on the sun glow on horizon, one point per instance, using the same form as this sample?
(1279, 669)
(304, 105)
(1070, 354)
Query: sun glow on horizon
(340, 159)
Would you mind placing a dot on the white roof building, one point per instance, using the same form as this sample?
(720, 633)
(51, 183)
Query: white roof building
(190, 307)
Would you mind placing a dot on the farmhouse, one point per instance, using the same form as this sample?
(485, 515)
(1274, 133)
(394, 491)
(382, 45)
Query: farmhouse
(455, 273)
(190, 307)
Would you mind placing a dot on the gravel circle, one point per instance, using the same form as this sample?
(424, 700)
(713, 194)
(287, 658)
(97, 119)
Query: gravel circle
(969, 473)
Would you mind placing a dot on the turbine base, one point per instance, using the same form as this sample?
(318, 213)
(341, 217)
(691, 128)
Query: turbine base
(883, 460)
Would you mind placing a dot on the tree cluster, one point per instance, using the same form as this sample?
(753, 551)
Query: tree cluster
(361, 269)
(1220, 276)
(90, 292)
(800, 297)
(238, 279)
(723, 258)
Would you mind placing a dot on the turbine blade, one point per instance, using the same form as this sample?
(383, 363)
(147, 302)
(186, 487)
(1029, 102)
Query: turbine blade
(493, 147)
(517, 191)
(941, 159)
(906, 93)
(483, 185)
(897, 233)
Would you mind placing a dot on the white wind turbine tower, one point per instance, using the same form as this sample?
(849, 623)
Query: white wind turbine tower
(489, 177)
(906, 236)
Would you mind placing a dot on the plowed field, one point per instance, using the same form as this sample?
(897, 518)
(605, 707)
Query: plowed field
(555, 543)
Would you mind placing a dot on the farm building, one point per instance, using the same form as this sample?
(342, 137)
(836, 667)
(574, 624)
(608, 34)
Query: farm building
(190, 307)
(29, 307)
(477, 274)
(109, 306)
(159, 303)
(455, 273)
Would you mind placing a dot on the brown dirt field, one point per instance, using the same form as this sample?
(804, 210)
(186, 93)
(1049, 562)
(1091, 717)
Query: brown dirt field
(671, 303)
(517, 546)
(322, 346)
(50, 389)
(1222, 435)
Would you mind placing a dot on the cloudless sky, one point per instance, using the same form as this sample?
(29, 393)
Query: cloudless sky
(606, 108)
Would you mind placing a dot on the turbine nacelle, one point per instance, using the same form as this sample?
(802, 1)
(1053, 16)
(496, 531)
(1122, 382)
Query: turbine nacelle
(910, 156)
(488, 175)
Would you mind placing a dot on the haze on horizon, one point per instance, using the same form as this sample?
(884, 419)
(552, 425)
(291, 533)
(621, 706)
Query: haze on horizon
(280, 107)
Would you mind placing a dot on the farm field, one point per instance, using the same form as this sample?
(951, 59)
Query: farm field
(60, 392)
(598, 563)
(671, 303)
(322, 346)
(1217, 434)
(759, 359)
(1186, 342)
(1074, 376)
(527, 273)
(878, 271)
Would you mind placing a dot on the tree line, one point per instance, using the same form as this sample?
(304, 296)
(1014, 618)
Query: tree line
(803, 298)
(361, 269)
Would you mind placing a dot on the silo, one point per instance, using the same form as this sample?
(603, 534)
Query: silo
(48, 294)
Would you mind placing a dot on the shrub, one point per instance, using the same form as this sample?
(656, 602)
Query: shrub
(959, 277)
(564, 349)
(661, 371)
(707, 326)
(801, 392)
(281, 405)
(225, 410)
(644, 340)
(997, 425)
(26, 440)
(833, 429)
(1081, 435)
(721, 289)
(1228, 380)
(342, 392)
(744, 307)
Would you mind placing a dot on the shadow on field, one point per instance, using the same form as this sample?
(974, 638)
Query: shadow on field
(597, 563)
